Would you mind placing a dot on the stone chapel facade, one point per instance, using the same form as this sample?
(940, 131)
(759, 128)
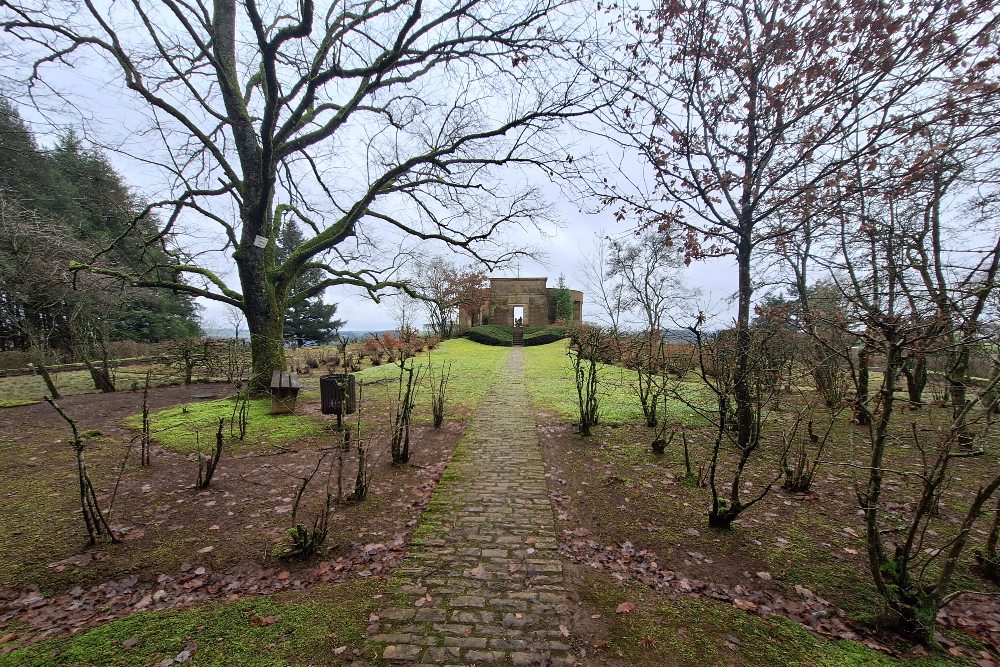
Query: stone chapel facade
(529, 299)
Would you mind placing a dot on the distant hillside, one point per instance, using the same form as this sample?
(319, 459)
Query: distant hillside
(353, 335)
(678, 336)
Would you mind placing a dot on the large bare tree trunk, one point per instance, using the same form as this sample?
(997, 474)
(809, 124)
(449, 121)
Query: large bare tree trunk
(741, 382)
(915, 370)
(958, 375)
(263, 299)
(264, 307)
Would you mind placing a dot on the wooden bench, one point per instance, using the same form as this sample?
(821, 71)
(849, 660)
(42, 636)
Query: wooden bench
(284, 392)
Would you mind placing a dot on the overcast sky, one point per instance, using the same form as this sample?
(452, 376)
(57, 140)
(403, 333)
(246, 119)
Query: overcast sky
(566, 248)
(566, 245)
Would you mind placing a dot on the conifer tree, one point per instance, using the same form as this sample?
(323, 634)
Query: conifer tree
(307, 320)
(62, 205)
(563, 301)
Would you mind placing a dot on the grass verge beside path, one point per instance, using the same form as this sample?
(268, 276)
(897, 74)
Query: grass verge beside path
(474, 367)
(692, 632)
(294, 628)
(549, 374)
(28, 389)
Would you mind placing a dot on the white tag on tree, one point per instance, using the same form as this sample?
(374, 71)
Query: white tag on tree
(260, 241)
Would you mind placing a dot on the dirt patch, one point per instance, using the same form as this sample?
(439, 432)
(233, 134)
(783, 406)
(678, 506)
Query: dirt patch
(169, 529)
(631, 514)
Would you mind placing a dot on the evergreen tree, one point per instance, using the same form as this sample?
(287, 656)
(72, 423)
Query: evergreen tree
(563, 301)
(60, 206)
(104, 207)
(307, 320)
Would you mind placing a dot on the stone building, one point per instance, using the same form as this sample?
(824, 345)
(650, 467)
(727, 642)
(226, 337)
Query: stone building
(527, 299)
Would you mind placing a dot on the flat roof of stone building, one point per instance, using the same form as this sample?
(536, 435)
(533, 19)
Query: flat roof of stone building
(513, 279)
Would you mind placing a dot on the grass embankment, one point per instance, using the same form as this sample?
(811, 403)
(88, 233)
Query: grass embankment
(543, 335)
(296, 628)
(493, 334)
(552, 384)
(473, 368)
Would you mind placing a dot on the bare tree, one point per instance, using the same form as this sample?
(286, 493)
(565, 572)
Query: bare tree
(882, 260)
(360, 121)
(718, 370)
(404, 314)
(644, 275)
(951, 157)
(41, 299)
(740, 110)
(586, 342)
(605, 293)
(235, 319)
(446, 288)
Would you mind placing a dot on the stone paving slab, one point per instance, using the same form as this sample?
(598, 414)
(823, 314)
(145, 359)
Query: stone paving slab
(482, 581)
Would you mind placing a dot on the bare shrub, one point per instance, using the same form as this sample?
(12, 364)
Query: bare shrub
(409, 377)
(208, 464)
(439, 388)
(584, 352)
(93, 518)
(300, 541)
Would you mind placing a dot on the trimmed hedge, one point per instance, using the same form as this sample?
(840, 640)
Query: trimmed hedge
(545, 336)
(491, 334)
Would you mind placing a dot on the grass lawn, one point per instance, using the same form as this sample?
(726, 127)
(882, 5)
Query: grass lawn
(474, 367)
(550, 377)
(186, 428)
(296, 628)
(27, 389)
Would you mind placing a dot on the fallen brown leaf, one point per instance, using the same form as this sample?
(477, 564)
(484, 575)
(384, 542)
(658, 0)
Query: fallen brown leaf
(261, 621)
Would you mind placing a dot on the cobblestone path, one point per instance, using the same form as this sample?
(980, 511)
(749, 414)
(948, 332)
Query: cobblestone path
(482, 581)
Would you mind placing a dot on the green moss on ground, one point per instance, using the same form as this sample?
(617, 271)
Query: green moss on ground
(176, 428)
(46, 503)
(690, 631)
(297, 628)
